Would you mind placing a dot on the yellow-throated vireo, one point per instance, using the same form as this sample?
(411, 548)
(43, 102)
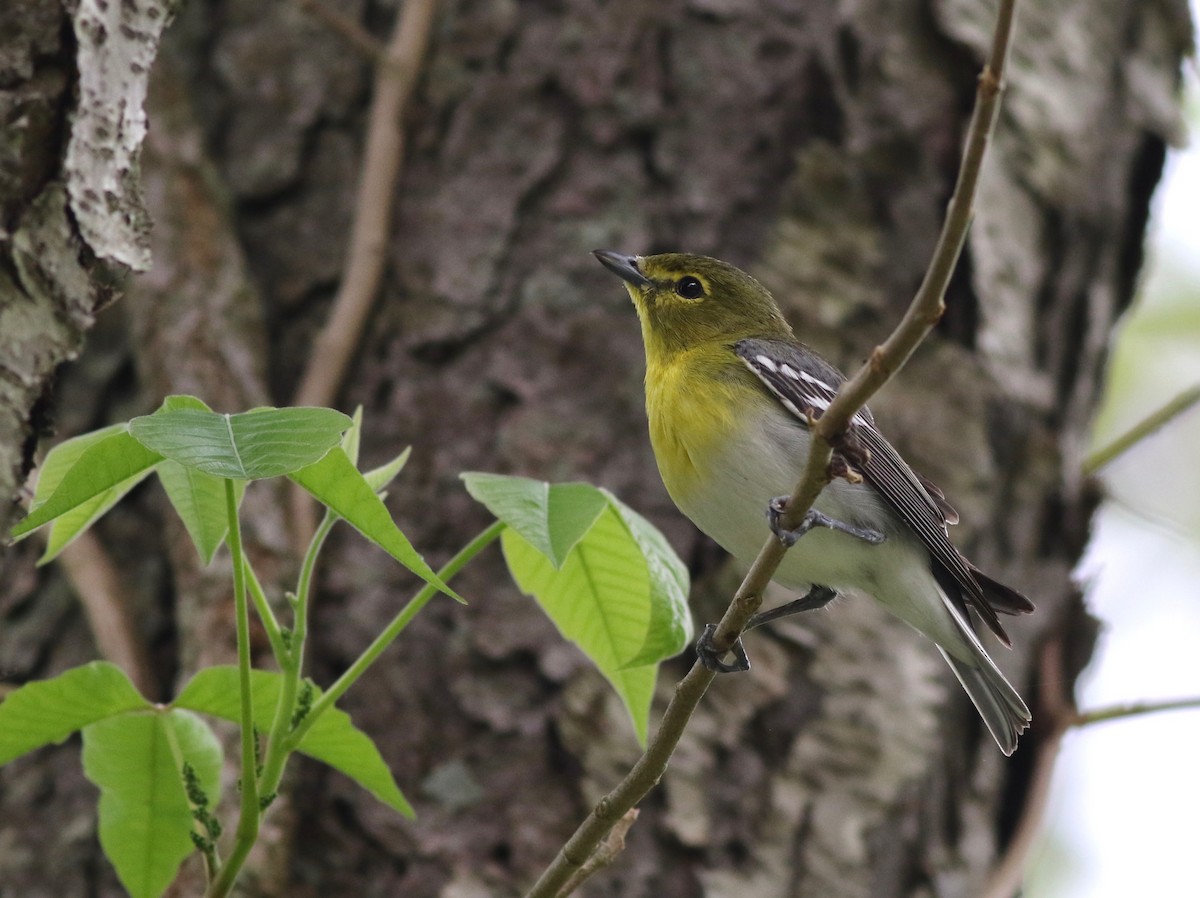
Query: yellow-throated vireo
(729, 395)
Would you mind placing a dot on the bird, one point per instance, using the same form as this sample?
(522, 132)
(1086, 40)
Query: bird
(730, 397)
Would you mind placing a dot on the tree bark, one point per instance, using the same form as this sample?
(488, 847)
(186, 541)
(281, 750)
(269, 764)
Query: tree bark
(812, 144)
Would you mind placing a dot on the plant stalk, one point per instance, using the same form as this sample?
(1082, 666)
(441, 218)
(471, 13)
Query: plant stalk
(250, 815)
(389, 634)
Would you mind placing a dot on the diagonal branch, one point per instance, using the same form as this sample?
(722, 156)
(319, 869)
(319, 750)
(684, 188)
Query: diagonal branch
(923, 313)
(612, 845)
(96, 581)
(383, 155)
(1144, 429)
(366, 254)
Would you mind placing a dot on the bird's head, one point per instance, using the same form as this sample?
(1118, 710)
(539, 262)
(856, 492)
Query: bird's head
(687, 301)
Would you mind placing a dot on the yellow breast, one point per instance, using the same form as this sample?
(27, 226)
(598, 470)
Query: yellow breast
(692, 402)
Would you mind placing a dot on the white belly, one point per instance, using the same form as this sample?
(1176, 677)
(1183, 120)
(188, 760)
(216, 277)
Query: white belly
(729, 503)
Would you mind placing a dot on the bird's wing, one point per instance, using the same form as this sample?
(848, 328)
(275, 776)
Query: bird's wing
(805, 385)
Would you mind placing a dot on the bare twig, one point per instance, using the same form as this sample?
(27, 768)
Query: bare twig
(95, 581)
(395, 78)
(1140, 431)
(1137, 709)
(605, 854)
(1058, 716)
(924, 311)
(1055, 713)
(382, 158)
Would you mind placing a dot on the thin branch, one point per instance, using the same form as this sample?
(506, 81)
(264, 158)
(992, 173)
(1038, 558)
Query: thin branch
(1060, 716)
(1106, 455)
(1137, 709)
(95, 580)
(605, 854)
(1056, 713)
(641, 779)
(924, 311)
(395, 79)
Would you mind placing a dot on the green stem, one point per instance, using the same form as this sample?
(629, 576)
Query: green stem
(248, 818)
(266, 615)
(1122, 444)
(394, 629)
(292, 665)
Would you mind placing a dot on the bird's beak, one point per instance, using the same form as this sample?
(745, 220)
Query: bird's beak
(623, 266)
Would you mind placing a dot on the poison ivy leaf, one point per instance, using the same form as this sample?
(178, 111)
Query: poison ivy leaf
(62, 458)
(602, 573)
(136, 759)
(551, 517)
(48, 711)
(598, 599)
(333, 740)
(342, 488)
(199, 500)
(266, 442)
(670, 629)
(379, 478)
(352, 438)
(59, 460)
(105, 470)
(182, 400)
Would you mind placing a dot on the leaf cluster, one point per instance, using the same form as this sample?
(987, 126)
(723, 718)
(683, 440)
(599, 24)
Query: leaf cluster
(601, 572)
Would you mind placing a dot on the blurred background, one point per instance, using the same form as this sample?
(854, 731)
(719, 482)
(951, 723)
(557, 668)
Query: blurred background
(1125, 807)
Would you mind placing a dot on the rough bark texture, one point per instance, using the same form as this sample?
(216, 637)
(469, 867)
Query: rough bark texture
(813, 144)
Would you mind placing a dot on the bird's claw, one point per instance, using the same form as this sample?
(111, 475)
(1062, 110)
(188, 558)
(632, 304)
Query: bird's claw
(711, 658)
(811, 519)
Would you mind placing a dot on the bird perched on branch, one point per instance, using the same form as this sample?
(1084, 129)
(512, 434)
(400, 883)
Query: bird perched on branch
(730, 394)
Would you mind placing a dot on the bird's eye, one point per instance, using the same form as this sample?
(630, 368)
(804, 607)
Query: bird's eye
(689, 287)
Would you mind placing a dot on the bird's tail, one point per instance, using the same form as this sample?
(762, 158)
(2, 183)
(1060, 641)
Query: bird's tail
(998, 703)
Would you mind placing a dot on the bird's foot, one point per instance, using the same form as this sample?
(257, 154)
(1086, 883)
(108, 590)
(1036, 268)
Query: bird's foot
(817, 597)
(711, 658)
(814, 518)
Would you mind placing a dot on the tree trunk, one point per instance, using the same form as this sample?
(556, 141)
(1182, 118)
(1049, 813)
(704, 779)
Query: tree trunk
(814, 145)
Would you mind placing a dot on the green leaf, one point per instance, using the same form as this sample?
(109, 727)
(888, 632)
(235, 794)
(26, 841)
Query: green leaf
(379, 478)
(670, 629)
(115, 462)
(352, 438)
(341, 487)
(199, 500)
(136, 759)
(251, 445)
(598, 599)
(62, 458)
(333, 740)
(551, 517)
(183, 400)
(59, 460)
(48, 711)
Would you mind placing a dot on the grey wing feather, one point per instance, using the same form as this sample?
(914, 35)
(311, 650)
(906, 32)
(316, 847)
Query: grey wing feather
(805, 385)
